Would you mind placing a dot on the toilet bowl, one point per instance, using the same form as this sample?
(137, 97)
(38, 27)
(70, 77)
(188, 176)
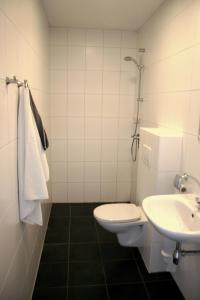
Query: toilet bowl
(124, 219)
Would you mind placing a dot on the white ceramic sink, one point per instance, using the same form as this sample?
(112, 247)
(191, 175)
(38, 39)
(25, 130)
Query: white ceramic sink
(175, 216)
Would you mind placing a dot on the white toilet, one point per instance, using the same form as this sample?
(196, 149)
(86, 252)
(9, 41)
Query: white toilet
(125, 219)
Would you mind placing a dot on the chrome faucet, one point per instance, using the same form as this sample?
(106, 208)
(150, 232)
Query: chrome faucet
(179, 181)
(197, 199)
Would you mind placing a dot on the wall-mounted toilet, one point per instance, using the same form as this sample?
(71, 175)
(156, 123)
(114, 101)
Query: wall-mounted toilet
(125, 219)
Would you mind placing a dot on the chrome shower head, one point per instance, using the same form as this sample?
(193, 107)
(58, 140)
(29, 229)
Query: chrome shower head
(130, 58)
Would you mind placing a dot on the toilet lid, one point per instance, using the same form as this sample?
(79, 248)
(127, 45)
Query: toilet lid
(117, 212)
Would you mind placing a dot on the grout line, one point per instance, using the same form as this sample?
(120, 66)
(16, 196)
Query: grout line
(66, 123)
(118, 125)
(101, 259)
(143, 281)
(101, 118)
(68, 257)
(84, 120)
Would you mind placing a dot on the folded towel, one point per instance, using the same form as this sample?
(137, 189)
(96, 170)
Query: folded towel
(33, 171)
(39, 124)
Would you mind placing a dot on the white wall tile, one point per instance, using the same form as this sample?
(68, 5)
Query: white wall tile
(58, 150)
(124, 171)
(59, 192)
(93, 105)
(12, 102)
(111, 82)
(75, 105)
(108, 172)
(3, 117)
(58, 128)
(58, 57)
(76, 37)
(93, 82)
(112, 38)
(76, 82)
(75, 172)
(76, 58)
(124, 149)
(110, 105)
(129, 39)
(10, 237)
(127, 83)
(94, 37)
(58, 105)
(109, 150)
(75, 150)
(92, 150)
(75, 128)
(92, 192)
(23, 52)
(195, 68)
(90, 113)
(126, 105)
(171, 80)
(58, 172)
(58, 81)
(109, 128)
(5, 178)
(171, 74)
(93, 128)
(75, 192)
(124, 191)
(108, 192)
(58, 36)
(92, 172)
(126, 127)
(3, 49)
(94, 58)
(112, 59)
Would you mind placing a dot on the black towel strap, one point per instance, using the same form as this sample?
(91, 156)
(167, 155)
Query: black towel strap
(39, 124)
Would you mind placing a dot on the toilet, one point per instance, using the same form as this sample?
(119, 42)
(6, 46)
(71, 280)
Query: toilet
(124, 219)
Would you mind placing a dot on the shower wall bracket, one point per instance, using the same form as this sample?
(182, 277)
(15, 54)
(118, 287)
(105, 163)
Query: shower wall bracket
(140, 99)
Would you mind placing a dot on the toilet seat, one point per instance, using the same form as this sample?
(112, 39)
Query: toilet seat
(118, 212)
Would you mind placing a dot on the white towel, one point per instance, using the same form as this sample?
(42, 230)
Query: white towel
(33, 171)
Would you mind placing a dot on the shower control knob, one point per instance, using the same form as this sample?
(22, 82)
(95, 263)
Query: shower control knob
(197, 199)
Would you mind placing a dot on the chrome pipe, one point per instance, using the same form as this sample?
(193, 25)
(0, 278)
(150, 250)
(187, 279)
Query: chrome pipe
(178, 253)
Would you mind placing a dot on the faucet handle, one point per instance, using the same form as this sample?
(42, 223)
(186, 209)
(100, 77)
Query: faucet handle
(197, 199)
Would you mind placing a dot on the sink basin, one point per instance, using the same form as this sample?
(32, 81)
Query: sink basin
(175, 216)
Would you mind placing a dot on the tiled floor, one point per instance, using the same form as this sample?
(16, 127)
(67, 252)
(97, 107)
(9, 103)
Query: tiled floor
(82, 261)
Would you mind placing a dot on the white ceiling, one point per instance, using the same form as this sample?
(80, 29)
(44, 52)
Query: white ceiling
(101, 14)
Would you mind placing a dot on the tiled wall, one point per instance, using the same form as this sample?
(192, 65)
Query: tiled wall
(92, 109)
(171, 90)
(24, 53)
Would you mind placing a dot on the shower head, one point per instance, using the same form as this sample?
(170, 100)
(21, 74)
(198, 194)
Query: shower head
(130, 58)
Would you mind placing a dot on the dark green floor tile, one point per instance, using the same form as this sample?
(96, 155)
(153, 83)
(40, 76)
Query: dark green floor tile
(152, 276)
(46, 293)
(85, 273)
(54, 253)
(52, 275)
(125, 271)
(115, 252)
(84, 252)
(127, 292)
(87, 293)
(164, 290)
(60, 210)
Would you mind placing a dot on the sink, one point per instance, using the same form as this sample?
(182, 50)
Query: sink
(175, 216)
